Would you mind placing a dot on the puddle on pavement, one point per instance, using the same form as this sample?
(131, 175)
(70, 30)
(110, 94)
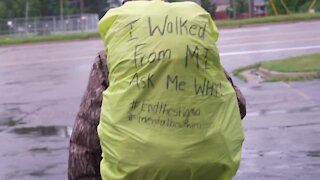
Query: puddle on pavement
(43, 172)
(39, 150)
(43, 131)
(47, 149)
(256, 87)
(313, 153)
(305, 109)
(265, 112)
(7, 122)
(37, 173)
(9, 117)
(14, 83)
(10, 122)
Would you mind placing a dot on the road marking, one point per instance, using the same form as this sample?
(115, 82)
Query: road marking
(89, 58)
(282, 111)
(269, 35)
(267, 112)
(268, 42)
(230, 31)
(274, 27)
(304, 95)
(269, 50)
(57, 44)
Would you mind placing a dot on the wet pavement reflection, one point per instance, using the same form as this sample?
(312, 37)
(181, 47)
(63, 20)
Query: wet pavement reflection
(41, 131)
(282, 146)
(38, 152)
(31, 151)
(314, 154)
(9, 122)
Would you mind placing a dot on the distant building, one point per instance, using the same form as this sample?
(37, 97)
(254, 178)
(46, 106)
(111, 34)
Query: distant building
(221, 11)
(260, 7)
(223, 6)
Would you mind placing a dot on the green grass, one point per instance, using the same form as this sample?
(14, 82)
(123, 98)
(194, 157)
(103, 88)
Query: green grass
(9, 40)
(268, 19)
(305, 63)
(287, 79)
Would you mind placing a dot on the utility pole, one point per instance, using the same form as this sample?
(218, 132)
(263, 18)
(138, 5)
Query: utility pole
(234, 7)
(81, 15)
(81, 7)
(251, 8)
(61, 10)
(61, 15)
(26, 16)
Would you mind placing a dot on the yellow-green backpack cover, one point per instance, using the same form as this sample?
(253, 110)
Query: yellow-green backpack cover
(169, 112)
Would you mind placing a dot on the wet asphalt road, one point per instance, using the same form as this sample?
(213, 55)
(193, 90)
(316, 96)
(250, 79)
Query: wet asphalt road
(41, 87)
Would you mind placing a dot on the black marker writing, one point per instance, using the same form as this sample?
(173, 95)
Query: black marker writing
(153, 30)
(142, 82)
(192, 54)
(131, 28)
(207, 88)
(179, 85)
(141, 58)
(179, 26)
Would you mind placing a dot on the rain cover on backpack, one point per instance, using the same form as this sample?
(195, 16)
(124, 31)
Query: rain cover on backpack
(169, 111)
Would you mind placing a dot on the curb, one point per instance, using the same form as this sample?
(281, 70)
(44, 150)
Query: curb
(269, 73)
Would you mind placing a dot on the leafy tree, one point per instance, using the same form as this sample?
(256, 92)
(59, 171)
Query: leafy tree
(294, 6)
(97, 6)
(11, 8)
(317, 6)
(242, 6)
(17, 8)
(209, 6)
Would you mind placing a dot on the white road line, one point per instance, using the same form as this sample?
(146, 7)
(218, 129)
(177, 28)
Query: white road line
(269, 50)
(89, 58)
(269, 42)
(58, 44)
(230, 31)
(253, 114)
(298, 26)
(280, 111)
(270, 35)
(304, 95)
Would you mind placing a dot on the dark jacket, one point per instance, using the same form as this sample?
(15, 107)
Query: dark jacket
(85, 151)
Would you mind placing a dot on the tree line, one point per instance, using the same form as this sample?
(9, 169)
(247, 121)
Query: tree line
(292, 6)
(33, 8)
